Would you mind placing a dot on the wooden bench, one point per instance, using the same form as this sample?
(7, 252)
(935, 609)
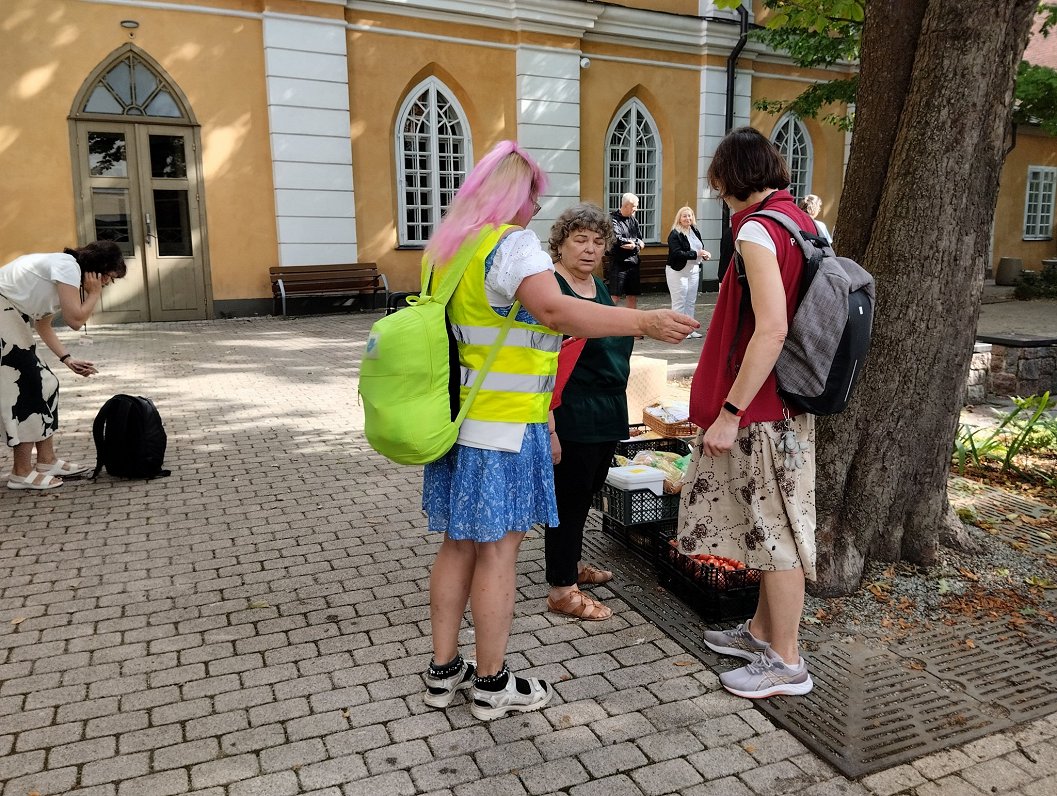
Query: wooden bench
(321, 281)
(651, 272)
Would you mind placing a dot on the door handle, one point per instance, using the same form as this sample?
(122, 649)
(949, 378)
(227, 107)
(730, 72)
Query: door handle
(150, 232)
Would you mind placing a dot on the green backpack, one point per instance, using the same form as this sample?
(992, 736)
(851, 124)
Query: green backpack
(406, 368)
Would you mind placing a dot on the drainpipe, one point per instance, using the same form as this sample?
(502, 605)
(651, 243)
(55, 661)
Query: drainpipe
(726, 245)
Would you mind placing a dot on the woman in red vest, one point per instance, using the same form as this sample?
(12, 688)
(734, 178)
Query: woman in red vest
(750, 491)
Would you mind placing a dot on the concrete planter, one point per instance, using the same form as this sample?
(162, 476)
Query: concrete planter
(1009, 268)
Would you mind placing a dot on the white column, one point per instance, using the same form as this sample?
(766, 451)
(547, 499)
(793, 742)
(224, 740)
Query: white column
(307, 75)
(548, 125)
(712, 128)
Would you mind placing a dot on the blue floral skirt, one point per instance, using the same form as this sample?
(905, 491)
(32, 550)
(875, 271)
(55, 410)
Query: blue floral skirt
(484, 494)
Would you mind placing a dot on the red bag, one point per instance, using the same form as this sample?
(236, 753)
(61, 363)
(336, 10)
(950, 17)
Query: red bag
(567, 357)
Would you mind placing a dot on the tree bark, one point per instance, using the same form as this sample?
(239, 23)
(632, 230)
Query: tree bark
(883, 463)
(887, 48)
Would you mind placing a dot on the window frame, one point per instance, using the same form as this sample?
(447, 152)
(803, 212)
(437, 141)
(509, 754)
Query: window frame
(435, 87)
(638, 110)
(793, 124)
(1033, 228)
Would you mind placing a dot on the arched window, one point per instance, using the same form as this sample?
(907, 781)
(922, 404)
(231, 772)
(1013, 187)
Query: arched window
(633, 165)
(132, 87)
(794, 143)
(433, 155)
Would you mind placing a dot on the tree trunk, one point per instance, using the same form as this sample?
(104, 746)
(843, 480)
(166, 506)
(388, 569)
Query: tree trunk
(883, 463)
(889, 42)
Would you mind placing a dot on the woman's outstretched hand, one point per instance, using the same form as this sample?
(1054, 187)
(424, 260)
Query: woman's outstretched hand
(668, 326)
(82, 367)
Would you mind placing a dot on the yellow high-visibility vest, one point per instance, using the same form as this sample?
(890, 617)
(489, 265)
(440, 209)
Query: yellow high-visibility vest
(518, 387)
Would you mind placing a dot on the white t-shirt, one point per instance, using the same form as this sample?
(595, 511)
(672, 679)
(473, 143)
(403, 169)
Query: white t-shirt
(755, 232)
(519, 256)
(695, 242)
(29, 282)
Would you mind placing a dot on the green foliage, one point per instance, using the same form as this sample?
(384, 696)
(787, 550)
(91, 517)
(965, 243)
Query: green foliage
(1049, 10)
(824, 32)
(1036, 96)
(1026, 428)
(809, 103)
(1032, 285)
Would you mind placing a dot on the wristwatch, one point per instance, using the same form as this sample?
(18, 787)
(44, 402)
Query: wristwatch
(733, 409)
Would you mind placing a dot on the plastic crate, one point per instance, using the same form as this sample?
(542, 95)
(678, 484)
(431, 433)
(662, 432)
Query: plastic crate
(630, 447)
(643, 538)
(715, 594)
(635, 506)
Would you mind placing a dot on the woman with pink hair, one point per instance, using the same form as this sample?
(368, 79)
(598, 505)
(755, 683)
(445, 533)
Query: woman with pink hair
(498, 480)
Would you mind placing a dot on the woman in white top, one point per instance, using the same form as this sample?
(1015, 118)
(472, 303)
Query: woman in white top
(685, 254)
(812, 205)
(32, 289)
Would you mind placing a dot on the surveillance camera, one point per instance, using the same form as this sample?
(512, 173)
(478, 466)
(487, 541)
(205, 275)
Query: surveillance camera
(585, 62)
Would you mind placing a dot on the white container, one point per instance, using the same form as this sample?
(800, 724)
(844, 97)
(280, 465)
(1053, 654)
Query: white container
(637, 476)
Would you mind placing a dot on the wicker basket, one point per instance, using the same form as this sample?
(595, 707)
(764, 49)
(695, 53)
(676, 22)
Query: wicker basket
(684, 429)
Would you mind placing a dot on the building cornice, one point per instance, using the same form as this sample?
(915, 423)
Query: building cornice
(560, 17)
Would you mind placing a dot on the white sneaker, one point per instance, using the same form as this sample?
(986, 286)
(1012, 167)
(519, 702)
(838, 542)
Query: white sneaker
(521, 695)
(768, 676)
(440, 691)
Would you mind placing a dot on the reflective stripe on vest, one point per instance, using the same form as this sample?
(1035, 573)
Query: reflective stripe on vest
(518, 337)
(518, 386)
(509, 382)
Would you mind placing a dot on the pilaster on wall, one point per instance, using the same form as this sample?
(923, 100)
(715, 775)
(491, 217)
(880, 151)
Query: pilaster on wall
(712, 128)
(548, 125)
(307, 76)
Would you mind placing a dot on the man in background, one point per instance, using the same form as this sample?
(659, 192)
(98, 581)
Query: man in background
(623, 275)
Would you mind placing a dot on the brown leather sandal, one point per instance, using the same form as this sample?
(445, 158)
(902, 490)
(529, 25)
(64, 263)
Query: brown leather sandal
(592, 576)
(579, 605)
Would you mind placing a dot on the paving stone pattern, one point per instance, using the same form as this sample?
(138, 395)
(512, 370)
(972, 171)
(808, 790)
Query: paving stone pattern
(256, 624)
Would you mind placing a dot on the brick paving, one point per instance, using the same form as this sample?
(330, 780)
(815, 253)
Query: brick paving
(255, 624)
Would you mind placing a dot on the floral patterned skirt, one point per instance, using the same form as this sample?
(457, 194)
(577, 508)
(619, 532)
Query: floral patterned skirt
(755, 504)
(29, 391)
(483, 495)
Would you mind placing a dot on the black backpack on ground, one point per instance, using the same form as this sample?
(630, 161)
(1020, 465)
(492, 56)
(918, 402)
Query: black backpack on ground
(129, 438)
(829, 337)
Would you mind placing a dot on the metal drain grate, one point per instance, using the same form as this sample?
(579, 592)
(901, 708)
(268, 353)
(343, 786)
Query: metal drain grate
(1024, 523)
(875, 704)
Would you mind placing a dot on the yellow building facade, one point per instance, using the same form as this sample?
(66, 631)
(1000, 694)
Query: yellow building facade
(216, 138)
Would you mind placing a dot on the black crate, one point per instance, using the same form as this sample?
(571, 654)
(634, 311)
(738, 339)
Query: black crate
(715, 594)
(635, 506)
(643, 538)
(630, 447)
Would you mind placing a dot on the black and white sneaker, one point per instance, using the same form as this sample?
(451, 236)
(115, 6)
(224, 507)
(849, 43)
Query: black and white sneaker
(440, 691)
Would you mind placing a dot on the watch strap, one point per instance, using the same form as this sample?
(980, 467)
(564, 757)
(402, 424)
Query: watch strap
(733, 409)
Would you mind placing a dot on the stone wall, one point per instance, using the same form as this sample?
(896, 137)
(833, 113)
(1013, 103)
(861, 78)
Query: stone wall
(979, 368)
(1020, 371)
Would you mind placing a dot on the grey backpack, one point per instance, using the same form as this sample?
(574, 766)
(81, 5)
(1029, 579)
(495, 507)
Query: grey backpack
(829, 337)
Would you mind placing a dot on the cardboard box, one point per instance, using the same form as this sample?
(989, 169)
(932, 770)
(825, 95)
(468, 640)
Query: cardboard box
(646, 385)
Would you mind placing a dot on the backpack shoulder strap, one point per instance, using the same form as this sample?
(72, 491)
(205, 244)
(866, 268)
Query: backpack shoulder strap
(493, 352)
(454, 272)
(809, 243)
(115, 410)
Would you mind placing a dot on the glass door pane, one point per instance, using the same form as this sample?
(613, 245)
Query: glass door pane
(173, 223)
(112, 217)
(106, 155)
